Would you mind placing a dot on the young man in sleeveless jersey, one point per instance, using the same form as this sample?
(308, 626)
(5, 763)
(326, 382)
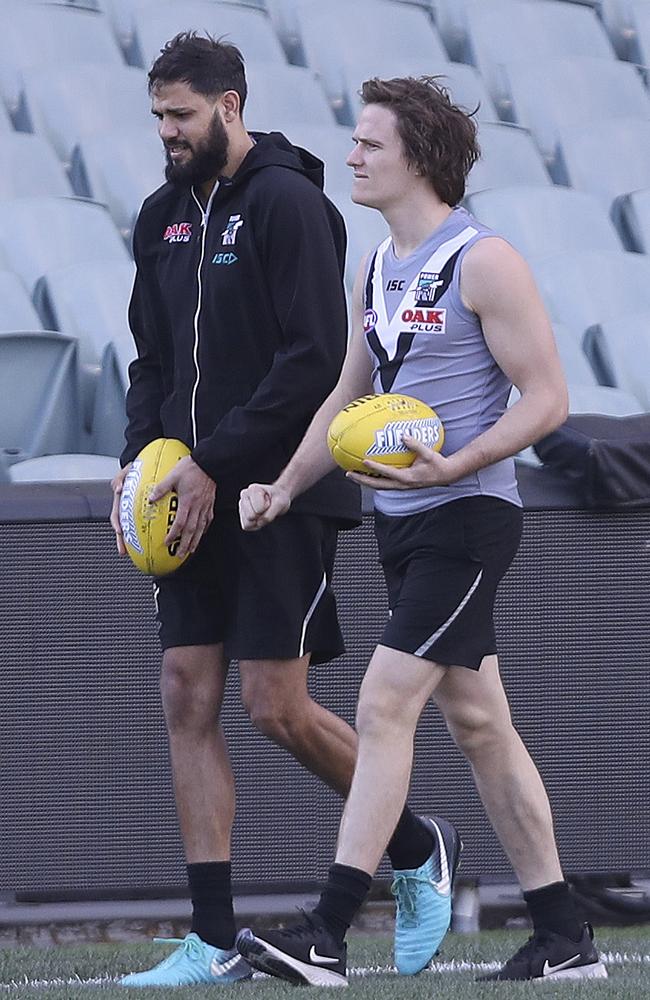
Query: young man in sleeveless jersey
(239, 317)
(448, 312)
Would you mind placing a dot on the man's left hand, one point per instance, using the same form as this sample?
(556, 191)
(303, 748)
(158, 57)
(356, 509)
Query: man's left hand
(429, 468)
(196, 493)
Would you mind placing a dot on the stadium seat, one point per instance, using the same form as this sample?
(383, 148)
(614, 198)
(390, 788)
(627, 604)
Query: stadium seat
(539, 92)
(18, 312)
(540, 221)
(29, 166)
(636, 14)
(109, 410)
(331, 37)
(634, 215)
(463, 82)
(575, 363)
(64, 468)
(602, 399)
(249, 29)
(88, 300)
(119, 169)
(366, 230)
(609, 159)
(291, 93)
(583, 288)
(332, 144)
(68, 103)
(39, 395)
(508, 156)
(41, 233)
(54, 34)
(548, 29)
(619, 349)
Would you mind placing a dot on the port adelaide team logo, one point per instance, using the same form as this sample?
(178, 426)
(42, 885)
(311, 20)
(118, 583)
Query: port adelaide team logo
(423, 317)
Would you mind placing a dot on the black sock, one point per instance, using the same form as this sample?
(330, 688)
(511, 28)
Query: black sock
(342, 898)
(212, 914)
(411, 843)
(553, 908)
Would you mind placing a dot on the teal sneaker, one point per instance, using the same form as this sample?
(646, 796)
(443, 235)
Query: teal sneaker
(192, 963)
(423, 899)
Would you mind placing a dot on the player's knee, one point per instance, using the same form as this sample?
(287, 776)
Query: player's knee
(379, 713)
(277, 721)
(184, 702)
(476, 730)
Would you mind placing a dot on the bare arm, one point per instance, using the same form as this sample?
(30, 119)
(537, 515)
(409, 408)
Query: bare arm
(261, 503)
(496, 283)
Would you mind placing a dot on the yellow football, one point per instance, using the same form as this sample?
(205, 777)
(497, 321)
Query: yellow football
(374, 427)
(145, 525)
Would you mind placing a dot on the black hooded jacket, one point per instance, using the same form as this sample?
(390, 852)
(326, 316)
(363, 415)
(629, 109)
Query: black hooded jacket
(239, 318)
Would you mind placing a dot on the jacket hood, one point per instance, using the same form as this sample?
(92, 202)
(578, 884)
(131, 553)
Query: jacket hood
(274, 149)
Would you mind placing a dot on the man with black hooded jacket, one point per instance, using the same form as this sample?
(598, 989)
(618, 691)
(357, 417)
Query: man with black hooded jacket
(239, 318)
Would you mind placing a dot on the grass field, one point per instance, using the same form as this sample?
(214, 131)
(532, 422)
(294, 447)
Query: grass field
(73, 972)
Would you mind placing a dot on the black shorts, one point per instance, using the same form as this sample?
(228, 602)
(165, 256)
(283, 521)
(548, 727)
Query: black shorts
(265, 594)
(442, 570)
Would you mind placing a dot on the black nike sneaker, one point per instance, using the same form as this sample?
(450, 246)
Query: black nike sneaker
(552, 956)
(305, 955)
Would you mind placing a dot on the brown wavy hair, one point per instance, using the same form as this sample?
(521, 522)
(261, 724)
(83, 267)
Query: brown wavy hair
(438, 137)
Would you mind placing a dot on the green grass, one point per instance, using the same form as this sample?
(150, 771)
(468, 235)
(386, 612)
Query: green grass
(629, 975)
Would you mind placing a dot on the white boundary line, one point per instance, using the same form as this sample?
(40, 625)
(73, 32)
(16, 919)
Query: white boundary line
(609, 958)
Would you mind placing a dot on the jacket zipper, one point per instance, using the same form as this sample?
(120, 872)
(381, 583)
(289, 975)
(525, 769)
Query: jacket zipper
(195, 350)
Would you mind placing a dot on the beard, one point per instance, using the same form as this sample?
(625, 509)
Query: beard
(207, 160)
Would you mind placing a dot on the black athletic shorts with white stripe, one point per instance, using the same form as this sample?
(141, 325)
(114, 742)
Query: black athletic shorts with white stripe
(442, 569)
(265, 594)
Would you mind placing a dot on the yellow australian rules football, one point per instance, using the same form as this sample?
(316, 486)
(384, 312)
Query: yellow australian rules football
(374, 427)
(144, 524)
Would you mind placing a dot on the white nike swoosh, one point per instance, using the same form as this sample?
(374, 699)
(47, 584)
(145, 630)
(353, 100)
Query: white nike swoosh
(220, 968)
(321, 959)
(443, 886)
(548, 970)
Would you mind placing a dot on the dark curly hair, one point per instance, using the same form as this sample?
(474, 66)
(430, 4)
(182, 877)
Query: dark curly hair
(209, 65)
(438, 137)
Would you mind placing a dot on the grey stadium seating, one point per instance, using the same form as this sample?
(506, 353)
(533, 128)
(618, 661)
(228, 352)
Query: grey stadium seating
(506, 151)
(504, 29)
(540, 221)
(119, 169)
(619, 349)
(289, 93)
(40, 34)
(250, 29)
(538, 92)
(583, 288)
(39, 394)
(76, 231)
(609, 158)
(29, 166)
(634, 214)
(602, 399)
(18, 312)
(68, 103)
(332, 50)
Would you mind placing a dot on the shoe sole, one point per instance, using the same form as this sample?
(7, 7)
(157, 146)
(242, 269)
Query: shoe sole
(266, 958)
(595, 970)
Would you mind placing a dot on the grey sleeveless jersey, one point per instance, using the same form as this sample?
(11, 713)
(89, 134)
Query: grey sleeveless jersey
(424, 342)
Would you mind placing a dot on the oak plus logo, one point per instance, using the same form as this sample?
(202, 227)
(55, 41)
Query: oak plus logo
(178, 232)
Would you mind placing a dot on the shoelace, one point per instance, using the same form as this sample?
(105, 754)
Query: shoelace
(536, 942)
(300, 930)
(405, 890)
(188, 946)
